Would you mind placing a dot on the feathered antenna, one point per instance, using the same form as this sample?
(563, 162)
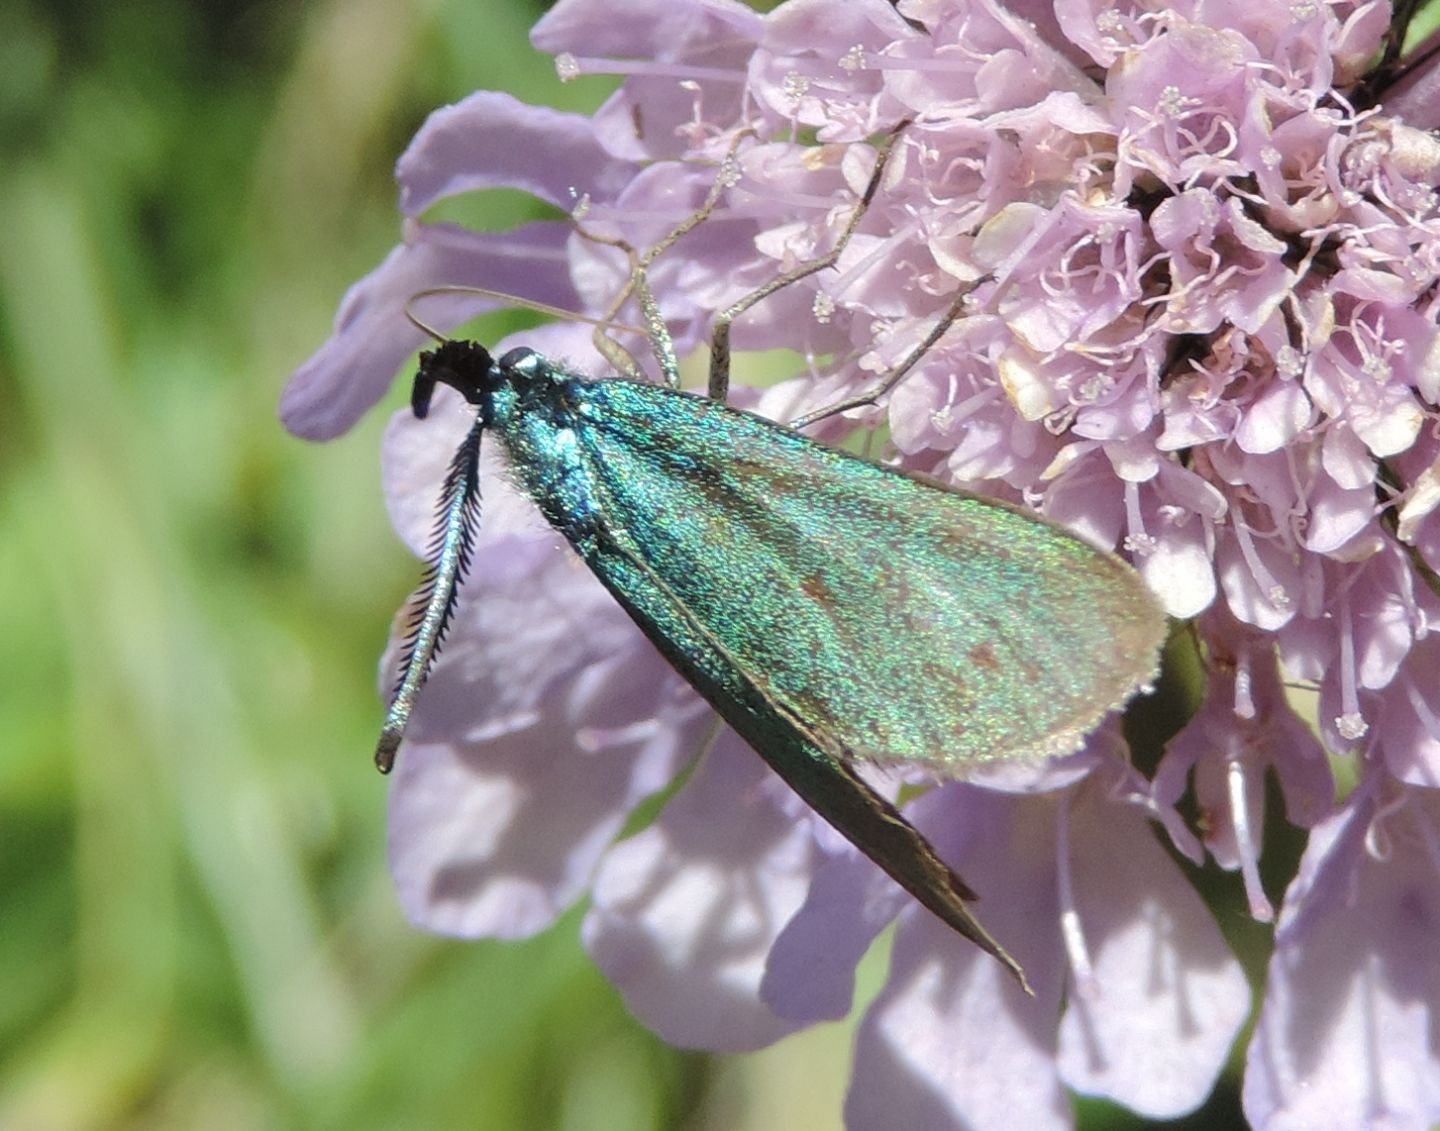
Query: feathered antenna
(433, 605)
(457, 519)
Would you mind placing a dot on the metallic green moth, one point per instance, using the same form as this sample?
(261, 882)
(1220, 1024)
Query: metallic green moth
(832, 610)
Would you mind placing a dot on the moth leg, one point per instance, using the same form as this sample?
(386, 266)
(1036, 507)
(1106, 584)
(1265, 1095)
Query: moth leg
(897, 372)
(719, 383)
(662, 346)
(620, 359)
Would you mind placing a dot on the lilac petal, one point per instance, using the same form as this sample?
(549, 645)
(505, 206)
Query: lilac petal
(1383, 605)
(372, 337)
(1357, 41)
(1079, 25)
(478, 849)
(1019, 74)
(1152, 1029)
(1410, 724)
(1179, 570)
(493, 140)
(414, 457)
(810, 973)
(1275, 418)
(705, 44)
(1416, 98)
(1155, 1000)
(951, 1041)
(1347, 1031)
(720, 264)
(1337, 515)
(1258, 578)
(1046, 776)
(485, 842)
(716, 252)
(798, 71)
(531, 622)
(686, 910)
(496, 832)
(546, 719)
(650, 29)
(1245, 727)
(1071, 501)
(1346, 459)
(1041, 15)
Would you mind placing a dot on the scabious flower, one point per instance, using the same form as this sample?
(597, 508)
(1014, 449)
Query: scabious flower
(1201, 244)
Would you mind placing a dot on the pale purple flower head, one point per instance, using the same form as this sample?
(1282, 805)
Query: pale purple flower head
(1202, 245)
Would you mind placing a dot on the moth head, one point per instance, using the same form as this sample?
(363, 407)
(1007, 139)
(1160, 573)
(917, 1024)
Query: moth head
(466, 367)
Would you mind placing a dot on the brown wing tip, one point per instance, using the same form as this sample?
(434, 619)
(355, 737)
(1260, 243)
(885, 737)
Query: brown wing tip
(957, 915)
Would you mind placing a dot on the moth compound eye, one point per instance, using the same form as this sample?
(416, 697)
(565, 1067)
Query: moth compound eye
(521, 360)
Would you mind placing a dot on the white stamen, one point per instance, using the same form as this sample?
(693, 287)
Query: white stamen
(1072, 932)
(1244, 686)
(1172, 103)
(1138, 540)
(567, 66)
(1274, 592)
(1289, 363)
(1238, 787)
(1350, 723)
(1109, 24)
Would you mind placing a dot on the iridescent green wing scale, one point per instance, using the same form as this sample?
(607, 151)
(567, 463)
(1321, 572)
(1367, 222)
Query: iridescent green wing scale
(900, 621)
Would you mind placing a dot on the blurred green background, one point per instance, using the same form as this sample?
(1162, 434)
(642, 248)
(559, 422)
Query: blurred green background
(197, 928)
